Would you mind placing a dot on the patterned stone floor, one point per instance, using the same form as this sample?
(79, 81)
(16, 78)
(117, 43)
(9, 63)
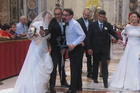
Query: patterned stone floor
(88, 85)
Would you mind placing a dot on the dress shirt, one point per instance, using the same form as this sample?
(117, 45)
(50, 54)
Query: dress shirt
(86, 22)
(74, 33)
(61, 25)
(21, 28)
(100, 25)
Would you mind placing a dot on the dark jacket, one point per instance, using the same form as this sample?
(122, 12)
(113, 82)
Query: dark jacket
(55, 30)
(100, 40)
(81, 22)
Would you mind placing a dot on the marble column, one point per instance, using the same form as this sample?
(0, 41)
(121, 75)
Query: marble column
(4, 11)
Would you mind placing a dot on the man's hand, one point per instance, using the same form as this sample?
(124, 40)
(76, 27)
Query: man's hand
(71, 47)
(22, 35)
(42, 33)
(83, 44)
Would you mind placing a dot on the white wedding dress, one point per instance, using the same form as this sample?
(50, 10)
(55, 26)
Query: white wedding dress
(127, 75)
(35, 73)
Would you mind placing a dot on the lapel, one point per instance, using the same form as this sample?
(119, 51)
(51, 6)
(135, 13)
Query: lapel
(97, 25)
(83, 24)
(57, 26)
(89, 23)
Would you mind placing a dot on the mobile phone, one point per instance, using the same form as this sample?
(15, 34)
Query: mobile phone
(41, 28)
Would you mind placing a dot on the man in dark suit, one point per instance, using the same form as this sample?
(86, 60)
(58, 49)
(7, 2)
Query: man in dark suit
(56, 29)
(85, 24)
(99, 44)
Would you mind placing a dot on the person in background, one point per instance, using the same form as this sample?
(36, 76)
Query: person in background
(86, 24)
(21, 27)
(13, 30)
(5, 32)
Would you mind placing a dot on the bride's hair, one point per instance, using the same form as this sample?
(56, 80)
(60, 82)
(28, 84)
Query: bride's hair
(138, 15)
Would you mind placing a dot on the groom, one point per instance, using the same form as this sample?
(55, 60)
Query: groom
(56, 28)
(99, 45)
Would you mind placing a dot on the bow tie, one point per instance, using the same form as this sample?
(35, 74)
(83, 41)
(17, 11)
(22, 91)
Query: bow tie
(66, 24)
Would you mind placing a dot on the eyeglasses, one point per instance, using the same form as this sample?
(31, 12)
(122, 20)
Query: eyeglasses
(57, 13)
(66, 15)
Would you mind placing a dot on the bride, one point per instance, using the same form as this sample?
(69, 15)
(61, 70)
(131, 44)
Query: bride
(127, 75)
(35, 73)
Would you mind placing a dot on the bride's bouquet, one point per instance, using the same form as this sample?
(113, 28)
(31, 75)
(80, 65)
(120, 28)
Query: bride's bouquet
(32, 31)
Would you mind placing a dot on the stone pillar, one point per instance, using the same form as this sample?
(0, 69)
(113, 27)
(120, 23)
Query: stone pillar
(51, 4)
(4, 11)
(125, 11)
(138, 6)
(77, 6)
(32, 8)
(14, 10)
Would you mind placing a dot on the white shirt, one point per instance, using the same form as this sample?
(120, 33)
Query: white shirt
(100, 24)
(86, 23)
(74, 33)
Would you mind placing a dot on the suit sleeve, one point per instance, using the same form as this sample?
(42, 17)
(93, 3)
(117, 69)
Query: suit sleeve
(89, 36)
(112, 32)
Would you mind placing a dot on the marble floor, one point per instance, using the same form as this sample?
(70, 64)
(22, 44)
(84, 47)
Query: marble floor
(88, 85)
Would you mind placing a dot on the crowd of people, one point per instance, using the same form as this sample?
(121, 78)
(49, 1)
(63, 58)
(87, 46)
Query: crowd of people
(14, 30)
(53, 37)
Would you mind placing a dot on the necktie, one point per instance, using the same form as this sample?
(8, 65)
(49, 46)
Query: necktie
(64, 33)
(101, 26)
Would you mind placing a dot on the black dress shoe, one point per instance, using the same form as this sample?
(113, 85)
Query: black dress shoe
(79, 89)
(105, 83)
(52, 90)
(95, 81)
(90, 76)
(65, 84)
(70, 91)
(101, 75)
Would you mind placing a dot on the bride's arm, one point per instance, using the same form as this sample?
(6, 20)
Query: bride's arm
(49, 46)
(124, 36)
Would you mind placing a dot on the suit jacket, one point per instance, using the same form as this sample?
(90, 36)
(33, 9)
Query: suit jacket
(99, 40)
(83, 25)
(55, 30)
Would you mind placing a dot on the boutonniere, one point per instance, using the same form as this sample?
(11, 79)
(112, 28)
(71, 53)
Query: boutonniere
(63, 23)
(105, 28)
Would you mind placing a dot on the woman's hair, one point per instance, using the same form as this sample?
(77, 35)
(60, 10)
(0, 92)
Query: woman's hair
(5, 27)
(70, 11)
(138, 15)
(12, 23)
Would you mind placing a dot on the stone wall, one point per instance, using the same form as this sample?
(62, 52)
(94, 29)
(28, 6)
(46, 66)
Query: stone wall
(76, 5)
(10, 10)
(4, 11)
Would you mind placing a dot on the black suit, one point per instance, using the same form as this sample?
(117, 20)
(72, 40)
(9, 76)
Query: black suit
(85, 29)
(99, 41)
(55, 30)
